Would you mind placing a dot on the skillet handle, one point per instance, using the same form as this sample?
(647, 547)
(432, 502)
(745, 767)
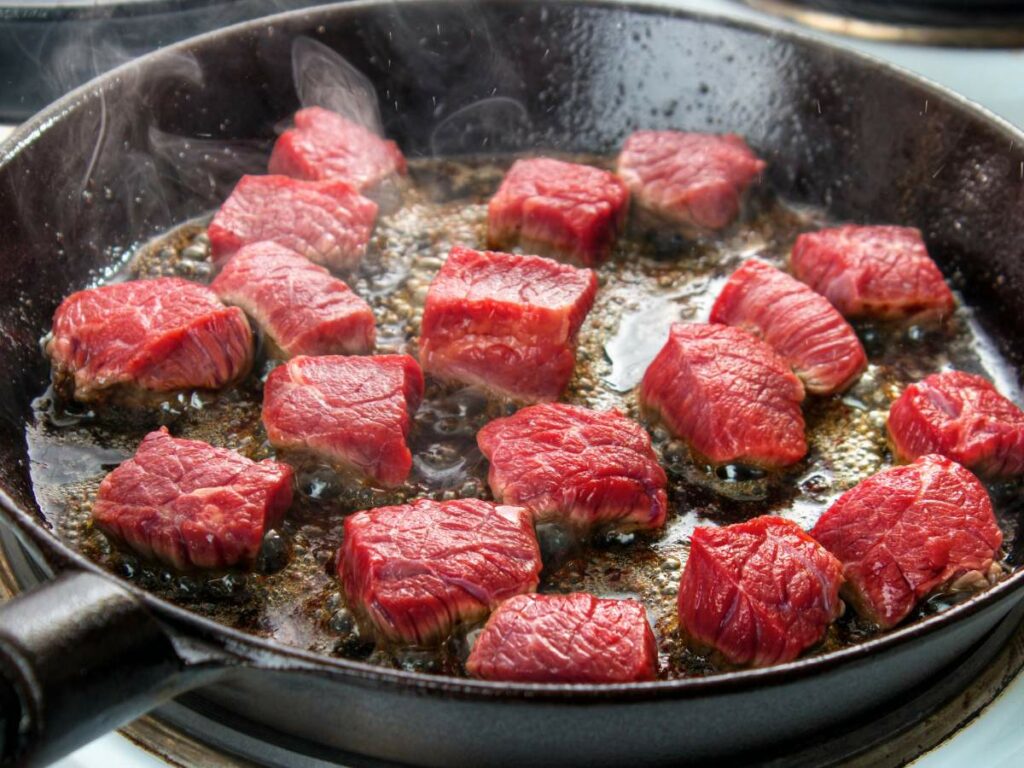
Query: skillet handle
(79, 656)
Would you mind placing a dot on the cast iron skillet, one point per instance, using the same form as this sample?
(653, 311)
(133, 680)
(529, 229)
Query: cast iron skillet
(92, 174)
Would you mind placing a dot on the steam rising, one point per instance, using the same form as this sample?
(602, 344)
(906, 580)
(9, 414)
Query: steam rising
(490, 125)
(323, 78)
(208, 167)
(142, 168)
(109, 168)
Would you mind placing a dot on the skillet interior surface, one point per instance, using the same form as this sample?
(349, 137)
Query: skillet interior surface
(293, 596)
(162, 141)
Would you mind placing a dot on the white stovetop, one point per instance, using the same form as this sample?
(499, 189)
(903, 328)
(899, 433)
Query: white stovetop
(992, 78)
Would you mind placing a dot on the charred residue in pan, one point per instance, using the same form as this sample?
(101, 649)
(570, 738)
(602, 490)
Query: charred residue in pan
(293, 596)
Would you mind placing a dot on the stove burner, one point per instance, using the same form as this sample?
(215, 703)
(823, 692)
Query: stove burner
(982, 24)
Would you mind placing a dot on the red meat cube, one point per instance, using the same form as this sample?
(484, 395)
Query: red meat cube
(963, 417)
(799, 324)
(558, 209)
(759, 592)
(417, 571)
(130, 341)
(325, 145)
(505, 322)
(691, 179)
(353, 412)
(570, 463)
(328, 222)
(575, 638)
(728, 395)
(906, 531)
(191, 505)
(300, 307)
(881, 272)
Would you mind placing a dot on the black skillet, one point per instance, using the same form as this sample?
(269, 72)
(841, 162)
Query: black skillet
(86, 653)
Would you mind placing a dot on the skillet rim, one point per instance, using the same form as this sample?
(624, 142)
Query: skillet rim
(267, 654)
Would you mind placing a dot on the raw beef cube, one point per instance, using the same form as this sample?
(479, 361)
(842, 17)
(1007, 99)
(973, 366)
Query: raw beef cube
(575, 638)
(505, 322)
(881, 272)
(759, 592)
(353, 412)
(692, 179)
(191, 505)
(417, 571)
(799, 324)
(727, 394)
(581, 466)
(558, 209)
(904, 532)
(328, 222)
(129, 341)
(963, 417)
(325, 145)
(300, 307)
